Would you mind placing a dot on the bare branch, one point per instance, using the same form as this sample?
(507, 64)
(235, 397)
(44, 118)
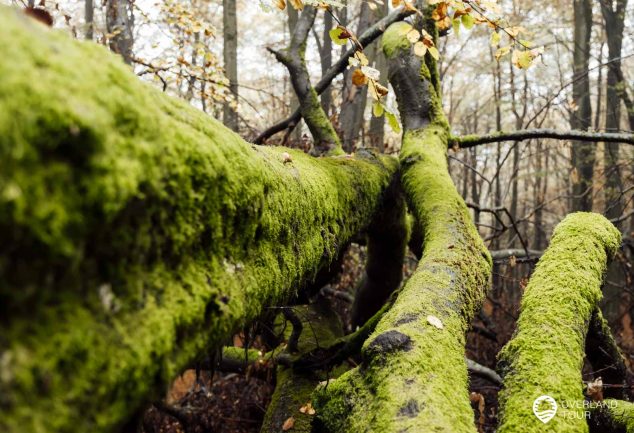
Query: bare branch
(467, 141)
(365, 39)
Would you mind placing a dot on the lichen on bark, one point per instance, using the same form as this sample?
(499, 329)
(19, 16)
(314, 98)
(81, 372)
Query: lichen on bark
(136, 232)
(546, 354)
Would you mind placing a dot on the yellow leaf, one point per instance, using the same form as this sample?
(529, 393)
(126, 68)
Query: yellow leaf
(393, 122)
(281, 4)
(377, 109)
(363, 59)
(420, 49)
(396, 3)
(413, 35)
(433, 51)
(501, 52)
(456, 26)
(435, 322)
(339, 35)
(297, 4)
(467, 21)
(495, 39)
(522, 59)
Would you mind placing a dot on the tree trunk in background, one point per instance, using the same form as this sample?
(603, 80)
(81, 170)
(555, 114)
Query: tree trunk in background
(230, 56)
(614, 16)
(293, 16)
(88, 18)
(377, 124)
(354, 98)
(581, 114)
(31, 3)
(120, 26)
(326, 61)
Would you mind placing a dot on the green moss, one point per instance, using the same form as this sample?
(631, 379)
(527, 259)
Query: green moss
(414, 376)
(546, 354)
(612, 416)
(136, 232)
(394, 38)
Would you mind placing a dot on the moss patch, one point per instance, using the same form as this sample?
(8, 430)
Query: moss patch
(545, 356)
(137, 232)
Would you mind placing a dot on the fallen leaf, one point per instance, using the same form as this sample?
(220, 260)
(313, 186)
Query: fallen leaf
(307, 409)
(435, 321)
(288, 424)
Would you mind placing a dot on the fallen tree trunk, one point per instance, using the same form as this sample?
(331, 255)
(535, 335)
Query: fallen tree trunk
(545, 356)
(414, 376)
(137, 233)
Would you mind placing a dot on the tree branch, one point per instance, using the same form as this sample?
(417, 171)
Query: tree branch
(365, 39)
(467, 141)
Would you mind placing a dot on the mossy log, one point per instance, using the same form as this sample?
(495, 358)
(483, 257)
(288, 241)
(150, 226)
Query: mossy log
(136, 232)
(413, 376)
(612, 416)
(546, 354)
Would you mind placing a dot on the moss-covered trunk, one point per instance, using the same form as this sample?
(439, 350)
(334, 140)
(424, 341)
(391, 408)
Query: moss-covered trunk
(136, 232)
(546, 354)
(413, 376)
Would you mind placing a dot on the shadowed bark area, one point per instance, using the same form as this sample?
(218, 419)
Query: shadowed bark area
(136, 232)
(413, 376)
(545, 356)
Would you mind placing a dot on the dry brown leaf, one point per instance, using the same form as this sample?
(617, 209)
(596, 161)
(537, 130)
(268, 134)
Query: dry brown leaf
(288, 424)
(359, 78)
(281, 4)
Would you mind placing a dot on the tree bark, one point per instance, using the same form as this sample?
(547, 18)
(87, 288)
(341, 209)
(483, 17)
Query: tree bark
(89, 19)
(230, 56)
(120, 25)
(581, 113)
(326, 61)
(139, 233)
(414, 375)
(354, 98)
(614, 17)
(325, 138)
(546, 354)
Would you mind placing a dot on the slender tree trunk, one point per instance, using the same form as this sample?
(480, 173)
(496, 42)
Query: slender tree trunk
(293, 16)
(230, 56)
(326, 61)
(581, 113)
(614, 16)
(354, 98)
(89, 19)
(120, 26)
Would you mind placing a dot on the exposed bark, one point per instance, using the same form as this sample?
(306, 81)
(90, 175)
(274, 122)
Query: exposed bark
(326, 61)
(325, 139)
(365, 39)
(614, 17)
(89, 19)
(230, 57)
(120, 26)
(140, 232)
(546, 354)
(354, 98)
(414, 375)
(581, 113)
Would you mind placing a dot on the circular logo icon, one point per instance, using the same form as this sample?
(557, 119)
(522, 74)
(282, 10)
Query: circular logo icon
(545, 408)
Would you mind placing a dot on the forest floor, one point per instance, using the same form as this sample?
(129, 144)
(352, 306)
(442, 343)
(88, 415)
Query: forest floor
(237, 403)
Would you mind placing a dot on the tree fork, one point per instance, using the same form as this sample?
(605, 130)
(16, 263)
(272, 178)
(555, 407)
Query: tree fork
(136, 232)
(414, 374)
(545, 356)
